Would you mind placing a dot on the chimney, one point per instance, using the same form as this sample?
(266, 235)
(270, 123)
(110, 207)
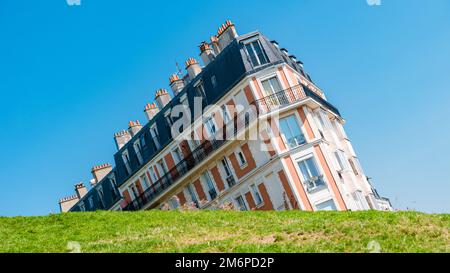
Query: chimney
(226, 34)
(99, 172)
(215, 44)
(162, 98)
(176, 84)
(134, 127)
(193, 68)
(121, 138)
(80, 190)
(206, 53)
(66, 203)
(151, 110)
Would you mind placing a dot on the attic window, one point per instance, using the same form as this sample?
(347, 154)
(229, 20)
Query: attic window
(214, 81)
(256, 53)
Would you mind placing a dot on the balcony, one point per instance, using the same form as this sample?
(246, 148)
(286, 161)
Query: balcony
(208, 147)
(289, 96)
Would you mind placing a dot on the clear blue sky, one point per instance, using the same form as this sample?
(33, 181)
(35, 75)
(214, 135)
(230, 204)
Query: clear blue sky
(71, 76)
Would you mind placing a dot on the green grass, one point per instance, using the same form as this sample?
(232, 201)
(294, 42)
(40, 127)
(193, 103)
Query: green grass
(227, 231)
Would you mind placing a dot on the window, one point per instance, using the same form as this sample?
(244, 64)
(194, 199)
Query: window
(155, 136)
(256, 53)
(138, 150)
(240, 203)
(340, 158)
(352, 164)
(162, 167)
(126, 161)
(271, 86)
(327, 205)
(256, 195)
(192, 194)
(209, 185)
(177, 155)
(174, 204)
(310, 172)
(291, 131)
(134, 191)
(82, 206)
(144, 182)
(100, 195)
(225, 115)
(91, 202)
(214, 81)
(241, 158)
(153, 174)
(200, 90)
(229, 175)
(168, 118)
(142, 140)
(226, 167)
(114, 190)
(211, 126)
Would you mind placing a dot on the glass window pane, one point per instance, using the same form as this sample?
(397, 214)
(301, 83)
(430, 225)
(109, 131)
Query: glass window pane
(260, 53)
(275, 84)
(252, 55)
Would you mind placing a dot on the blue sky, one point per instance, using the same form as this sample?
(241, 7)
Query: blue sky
(71, 76)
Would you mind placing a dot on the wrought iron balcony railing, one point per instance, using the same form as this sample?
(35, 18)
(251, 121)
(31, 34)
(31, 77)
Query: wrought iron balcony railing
(231, 129)
(289, 96)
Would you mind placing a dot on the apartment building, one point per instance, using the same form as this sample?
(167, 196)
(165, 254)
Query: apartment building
(248, 128)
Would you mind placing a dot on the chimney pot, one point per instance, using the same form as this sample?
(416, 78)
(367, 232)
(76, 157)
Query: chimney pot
(226, 34)
(80, 190)
(151, 110)
(193, 68)
(206, 53)
(162, 98)
(176, 84)
(122, 138)
(134, 127)
(100, 171)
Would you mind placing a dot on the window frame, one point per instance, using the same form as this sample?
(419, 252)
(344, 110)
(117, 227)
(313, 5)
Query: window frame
(256, 194)
(250, 43)
(240, 158)
(299, 126)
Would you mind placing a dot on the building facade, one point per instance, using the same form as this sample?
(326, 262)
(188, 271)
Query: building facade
(248, 128)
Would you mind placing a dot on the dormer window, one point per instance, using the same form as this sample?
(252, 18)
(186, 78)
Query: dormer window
(138, 151)
(155, 136)
(211, 126)
(200, 90)
(256, 53)
(126, 161)
(214, 81)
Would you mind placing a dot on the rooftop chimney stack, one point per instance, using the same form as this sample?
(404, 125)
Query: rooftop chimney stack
(121, 138)
(206, 53)
(134, 127)
(193, 68)
(99, 172)
(226, 34)
(151, 110)
(162, 98)
(66, 203)
(176, 84)
(215, 44)
(80, 190)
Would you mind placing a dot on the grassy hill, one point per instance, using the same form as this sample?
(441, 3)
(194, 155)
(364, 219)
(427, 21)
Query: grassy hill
(227, 231)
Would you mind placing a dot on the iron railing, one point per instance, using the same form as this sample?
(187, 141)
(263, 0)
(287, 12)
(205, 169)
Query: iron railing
(289, 96)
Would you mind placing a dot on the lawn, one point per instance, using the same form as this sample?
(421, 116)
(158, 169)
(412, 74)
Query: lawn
(227, 231)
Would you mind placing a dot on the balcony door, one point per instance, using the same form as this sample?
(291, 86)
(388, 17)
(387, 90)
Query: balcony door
(272, 87)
